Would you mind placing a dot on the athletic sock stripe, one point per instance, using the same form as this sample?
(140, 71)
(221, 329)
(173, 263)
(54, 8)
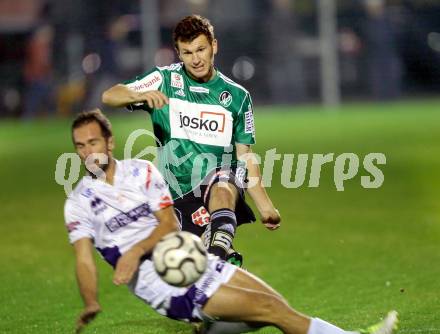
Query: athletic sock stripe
(224, 216)
(223, 212)
(234, 218)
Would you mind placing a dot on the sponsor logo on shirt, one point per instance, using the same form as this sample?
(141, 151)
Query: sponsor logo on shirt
(180, 92)
(87, 193)
(200, 217)
(249, 122)
(201, 123)
(176, 80)
(125, 218)
(225, 98)
(150, 82)
(197, 89)
(207, 121)
(97, 205)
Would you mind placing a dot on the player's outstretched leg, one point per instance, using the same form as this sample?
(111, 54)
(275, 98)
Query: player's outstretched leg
(248, 300)
(254, 302)
(236, 304)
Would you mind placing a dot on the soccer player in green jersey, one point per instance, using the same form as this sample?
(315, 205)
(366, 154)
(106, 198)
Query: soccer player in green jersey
(204, 124)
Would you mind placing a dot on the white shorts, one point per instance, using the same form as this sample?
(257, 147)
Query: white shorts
(180, 303)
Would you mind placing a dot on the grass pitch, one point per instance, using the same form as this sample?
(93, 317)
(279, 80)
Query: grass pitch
(347, 257)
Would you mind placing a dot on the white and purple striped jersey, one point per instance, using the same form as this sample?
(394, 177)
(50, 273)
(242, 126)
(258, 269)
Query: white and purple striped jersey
(117, 216)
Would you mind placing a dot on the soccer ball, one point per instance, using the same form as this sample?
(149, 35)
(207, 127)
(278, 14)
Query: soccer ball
(180, 258)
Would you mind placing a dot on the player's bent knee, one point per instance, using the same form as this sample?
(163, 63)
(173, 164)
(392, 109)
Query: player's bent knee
(223, 196)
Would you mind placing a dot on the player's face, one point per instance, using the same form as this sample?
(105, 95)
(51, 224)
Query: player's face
(198, 57)
(93, 147)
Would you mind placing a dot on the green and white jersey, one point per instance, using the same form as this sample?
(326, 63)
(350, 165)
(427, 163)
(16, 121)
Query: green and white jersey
(199, 127)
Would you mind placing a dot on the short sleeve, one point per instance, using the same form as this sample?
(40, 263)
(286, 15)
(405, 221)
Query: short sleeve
(77, 223)
(148, 81)
(244, 128)
(156, 189)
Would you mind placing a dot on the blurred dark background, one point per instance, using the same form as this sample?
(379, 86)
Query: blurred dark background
(56, 57)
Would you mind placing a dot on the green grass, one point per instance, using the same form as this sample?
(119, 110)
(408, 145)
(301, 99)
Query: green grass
(347, 257)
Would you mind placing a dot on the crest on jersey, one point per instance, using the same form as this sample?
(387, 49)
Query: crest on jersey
(225, 98)
(176, 80)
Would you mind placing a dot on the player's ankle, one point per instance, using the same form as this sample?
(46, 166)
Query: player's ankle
(218, 251)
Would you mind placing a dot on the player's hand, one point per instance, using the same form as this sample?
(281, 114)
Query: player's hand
(87, 315)
(271, 219)
(127, 265)
(155, 99)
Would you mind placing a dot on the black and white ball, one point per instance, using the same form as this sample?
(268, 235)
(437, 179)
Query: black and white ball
(180, 258)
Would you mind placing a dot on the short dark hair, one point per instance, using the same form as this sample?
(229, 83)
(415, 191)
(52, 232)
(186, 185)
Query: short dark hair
(90, 116)
(191, 27)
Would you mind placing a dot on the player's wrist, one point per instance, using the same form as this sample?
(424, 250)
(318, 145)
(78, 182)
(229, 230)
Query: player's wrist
(137, 97)
(137, 251)
(265, 207)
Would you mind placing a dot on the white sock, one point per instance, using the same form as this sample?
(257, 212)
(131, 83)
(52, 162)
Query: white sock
(318, 326)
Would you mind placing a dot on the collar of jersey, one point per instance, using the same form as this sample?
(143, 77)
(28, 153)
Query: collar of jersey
(211, 82)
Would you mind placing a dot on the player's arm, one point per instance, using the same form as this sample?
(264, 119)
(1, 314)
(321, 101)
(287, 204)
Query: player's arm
(143, 91)
(167, 224)
(269, 214)
(121, 95)
(129, 262)
(87, 279)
